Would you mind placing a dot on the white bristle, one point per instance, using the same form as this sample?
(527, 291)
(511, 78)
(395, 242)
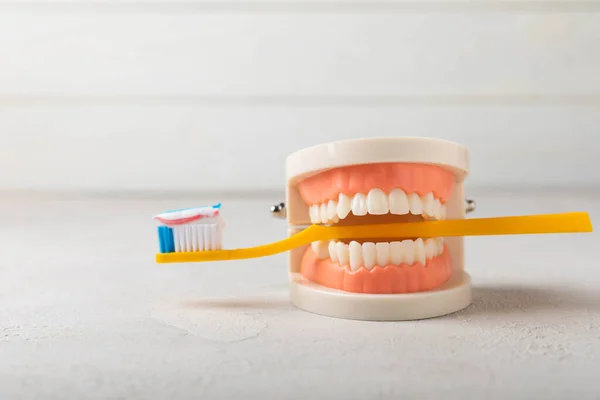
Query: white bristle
(207, 237)
(197, 237)
(182, 238)
(200, 231)
(188, 237)
(184, 242)
(213, 237)
(187, 241)
(194, 235)
(176, 240)
(202, 237)
(178, 236)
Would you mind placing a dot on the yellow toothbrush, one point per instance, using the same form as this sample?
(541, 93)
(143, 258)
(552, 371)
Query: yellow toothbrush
(531, 224)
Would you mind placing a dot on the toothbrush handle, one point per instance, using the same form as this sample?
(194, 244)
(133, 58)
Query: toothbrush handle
(518, 225)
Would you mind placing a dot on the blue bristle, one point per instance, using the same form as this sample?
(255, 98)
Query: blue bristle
(161, 239)
(170, 241)
(165, 239)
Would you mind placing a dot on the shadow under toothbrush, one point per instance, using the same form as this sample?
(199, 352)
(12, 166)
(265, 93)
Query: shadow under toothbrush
(271, 302)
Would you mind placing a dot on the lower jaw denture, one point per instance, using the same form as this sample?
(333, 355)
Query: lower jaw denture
(387, 279)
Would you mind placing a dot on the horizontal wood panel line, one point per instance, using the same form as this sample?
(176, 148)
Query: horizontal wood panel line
(272, 196)
(186, 148)
(298, 100)
(376, 54)
(276, 7)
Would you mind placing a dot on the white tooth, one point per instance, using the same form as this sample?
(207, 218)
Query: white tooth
(383, 253)
(398, 202)
(427, 202)
(430, 248)
(440, 245)
(333, 251)
(331, 210)
(414, 204)
(420, 251)
(343, 206)
(443, 211)
(320, 249)
(356, 256)
(315, 247)
(314, 212)
(359, 204)
(408, 251)
(437, 209)
(369, 255)
(396, 253)
(342, 253)
(323, 212)
(377, 202)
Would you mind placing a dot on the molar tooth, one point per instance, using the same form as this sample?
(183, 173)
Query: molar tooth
(396, 253)
(408, 251)
(443, 211)
(356, 255)
(331, 210)
(342, 253)
(343, 206)
(377, 202)
(414, 204)
(420, 251)
(359, 204)
(315, 214)
(398, 202)
(383, 253)
(320, 249)
(333, 251)
(427, 202)
(430, 248)
(323, 212)
(369, 254)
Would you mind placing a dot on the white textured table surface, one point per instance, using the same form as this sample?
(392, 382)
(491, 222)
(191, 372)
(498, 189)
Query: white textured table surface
(86, 313)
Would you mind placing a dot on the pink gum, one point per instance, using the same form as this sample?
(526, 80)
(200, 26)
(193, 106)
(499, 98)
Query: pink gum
(391, 279)
(412, 178)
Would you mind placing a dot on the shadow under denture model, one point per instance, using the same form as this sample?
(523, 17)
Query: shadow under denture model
(487, 300)
(512, 299)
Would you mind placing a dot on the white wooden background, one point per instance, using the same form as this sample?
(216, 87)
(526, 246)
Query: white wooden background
(205, 95)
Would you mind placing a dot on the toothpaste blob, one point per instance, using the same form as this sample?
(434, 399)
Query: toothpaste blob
(186, 215)
(190, 229)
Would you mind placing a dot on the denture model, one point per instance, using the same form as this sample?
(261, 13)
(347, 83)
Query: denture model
(376, 229)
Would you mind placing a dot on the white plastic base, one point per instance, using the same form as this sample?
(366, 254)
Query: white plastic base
(453, 296)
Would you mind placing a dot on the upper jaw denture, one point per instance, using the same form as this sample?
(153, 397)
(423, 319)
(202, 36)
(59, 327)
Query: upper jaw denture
(378, 202)
(394, 189)
(358, 181)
